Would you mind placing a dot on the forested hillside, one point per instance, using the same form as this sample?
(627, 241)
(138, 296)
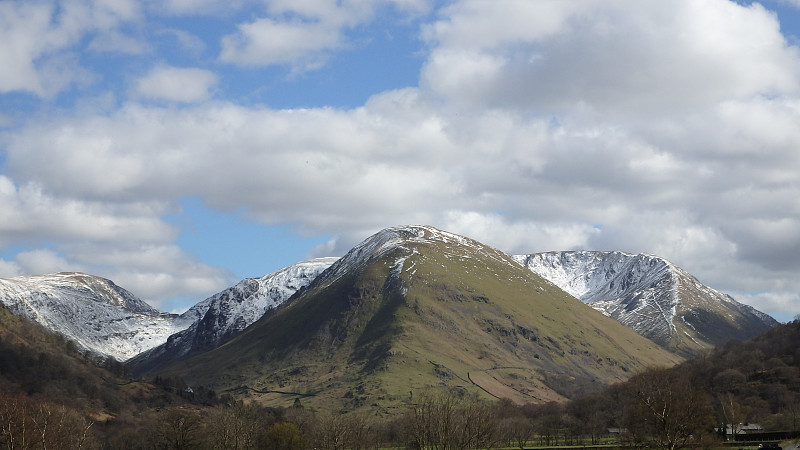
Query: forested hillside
(52, 397)
(757, 381)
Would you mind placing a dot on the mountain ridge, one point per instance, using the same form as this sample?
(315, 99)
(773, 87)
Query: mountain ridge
(104, 319)
(230, 311)
(89, 302)
(415, 307)
(651, 295)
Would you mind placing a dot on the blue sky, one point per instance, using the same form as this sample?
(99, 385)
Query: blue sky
(178, 146)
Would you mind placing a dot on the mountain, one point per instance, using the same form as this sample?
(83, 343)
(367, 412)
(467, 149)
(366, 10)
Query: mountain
(412, 308)
(652, 296)
(229, 312)
(101, 317)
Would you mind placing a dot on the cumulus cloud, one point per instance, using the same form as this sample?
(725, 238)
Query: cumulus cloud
(667, 128)
(124, 241)
(27, 213)
(45, 261)
(10, 269)
(186, 41)
(622, 58)
(795, 3)
(38, 36)
(519, 237)
(302, 34)
(158, 274)
(266, 42)
(176, 84)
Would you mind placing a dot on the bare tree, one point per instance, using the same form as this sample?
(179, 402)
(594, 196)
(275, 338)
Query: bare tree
(342, 431)
(179, 429)
(27, 423)
(235, 426)
(517, 430)
(733, 413)
(669, 411)
(446, 420)
(590, 413)
(59, 427)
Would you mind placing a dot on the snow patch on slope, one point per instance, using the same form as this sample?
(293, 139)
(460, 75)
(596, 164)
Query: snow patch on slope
(101, 317)
(648, 294)
(106, 320)
(390, 239)
(231, 311)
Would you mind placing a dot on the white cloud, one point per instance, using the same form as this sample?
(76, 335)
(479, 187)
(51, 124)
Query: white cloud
(124, 241)
(519, 237)
(107, 14)
(794, 3)
(189, 42)
(21, 28)
(628, 58)
(28, 213)
(648, 126)
(266, 42)
(43, 261)
(38, 40)
(783, 305)
(10, 269)
(413, 7)
(176, 84)
(302, 34)
(155, 273)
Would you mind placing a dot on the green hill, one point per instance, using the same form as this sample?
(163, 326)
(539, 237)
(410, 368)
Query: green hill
(411, 308)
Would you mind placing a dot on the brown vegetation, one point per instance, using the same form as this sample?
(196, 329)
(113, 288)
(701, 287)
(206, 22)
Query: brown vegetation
(51, 397)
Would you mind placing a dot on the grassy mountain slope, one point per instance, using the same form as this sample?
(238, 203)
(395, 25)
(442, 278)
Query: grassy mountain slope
(413, 308)
(36, 362)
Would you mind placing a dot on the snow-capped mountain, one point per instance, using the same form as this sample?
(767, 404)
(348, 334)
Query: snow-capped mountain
(412, 307)
(390, 239)
(644, 292)
(101, 317)
(651, 295)
(108, 321)
(229, 312)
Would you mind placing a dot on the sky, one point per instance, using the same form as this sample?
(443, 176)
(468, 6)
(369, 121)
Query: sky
(179, 146)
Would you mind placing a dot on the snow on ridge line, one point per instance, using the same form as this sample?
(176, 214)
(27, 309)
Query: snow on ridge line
(232, 310)
(594, 276)
(107, 320)
(99, 316)
(391, 238)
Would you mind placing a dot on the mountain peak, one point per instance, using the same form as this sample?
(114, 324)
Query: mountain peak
(227, 313)
(592, 276)
(653, 296)
(93, 287)
(404, 237)
(100, 316)
(412, 307)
